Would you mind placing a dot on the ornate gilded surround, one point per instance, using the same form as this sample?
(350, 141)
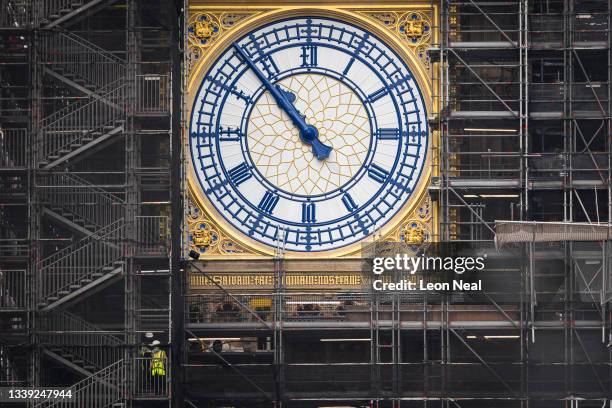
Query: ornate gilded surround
(409, 28)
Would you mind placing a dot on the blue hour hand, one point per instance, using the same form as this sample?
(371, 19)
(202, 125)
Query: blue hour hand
(310, 135)
(289, 95)
(285, 99)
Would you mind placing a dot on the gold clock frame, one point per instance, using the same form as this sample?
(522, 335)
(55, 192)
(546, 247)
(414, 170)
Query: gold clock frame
(207, 231)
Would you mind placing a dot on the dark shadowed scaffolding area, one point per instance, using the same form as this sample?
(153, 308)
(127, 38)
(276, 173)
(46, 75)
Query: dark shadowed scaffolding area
(85, 163)
(90, 208)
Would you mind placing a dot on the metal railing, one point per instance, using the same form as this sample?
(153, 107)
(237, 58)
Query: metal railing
(550, 97)
(475, 26)
(74, 115)
(15, 13)
(581, 166)
(72, 55)
(152, 235)
(551, 28)
(100, 390)
(149, 383)
(590, 27)
(80, 122)
(83, 261)
(13, 289)
(87, 342)
(484, 165)
(9, 371)
(49, 10)
(590, 97)
(81, 199)
(153, 93)
(14, 248)
(338, 307)
(13, 144)
(546, 28)
(152, 319)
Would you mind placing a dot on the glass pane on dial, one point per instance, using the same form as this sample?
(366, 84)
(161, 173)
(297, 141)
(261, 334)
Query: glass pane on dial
(311, 130)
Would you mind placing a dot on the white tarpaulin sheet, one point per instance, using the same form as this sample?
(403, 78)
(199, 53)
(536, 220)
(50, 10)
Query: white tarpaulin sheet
(507, 232)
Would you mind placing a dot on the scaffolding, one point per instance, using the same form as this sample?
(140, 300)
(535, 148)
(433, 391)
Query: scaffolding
(524, 128)
(85, 163)
(87, 110)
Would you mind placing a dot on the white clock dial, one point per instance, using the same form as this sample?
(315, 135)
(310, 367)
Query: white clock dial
(286, 162)
(308, 129)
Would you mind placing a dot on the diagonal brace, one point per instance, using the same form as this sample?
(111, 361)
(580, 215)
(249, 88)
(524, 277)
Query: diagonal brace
(501, 380)
(501, 310)
(498, 28)
(482, 81)
(589, 360)
(471, 209)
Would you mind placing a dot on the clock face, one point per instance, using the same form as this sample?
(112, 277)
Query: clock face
(310, 131)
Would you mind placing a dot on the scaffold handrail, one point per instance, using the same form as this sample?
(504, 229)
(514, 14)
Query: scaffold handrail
(91, 46)
(106, 234)
(70, 335)
(76, 197)
(107, 95)
(87, 260)
(68, 54)
(68, 327)
(101, 389)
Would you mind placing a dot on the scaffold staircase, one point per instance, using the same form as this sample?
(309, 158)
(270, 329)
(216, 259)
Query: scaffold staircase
(79, 345)
(97, 75)
(79, 268)
(105, 388)
(78, 204)
(79, 63)
(55, 12)
(81, 126)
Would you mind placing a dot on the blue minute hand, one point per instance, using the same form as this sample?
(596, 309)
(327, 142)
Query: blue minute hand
(308, 133)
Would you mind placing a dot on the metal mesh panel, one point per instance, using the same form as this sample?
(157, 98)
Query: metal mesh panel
(507, 232)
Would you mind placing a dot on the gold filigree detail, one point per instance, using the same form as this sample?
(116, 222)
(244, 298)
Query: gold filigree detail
(388, 18)
(202, 237)
(206, 238)
(413, 233)
(423, 56)
(206, 28)
(417, 227)
(203, 29)
(413, 28)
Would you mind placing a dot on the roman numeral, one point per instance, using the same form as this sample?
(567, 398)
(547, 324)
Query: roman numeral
(240, 174)
(378, 173)
(414, 134)
(388, 134)
(374, 96)
(203, 135)
(229, 134)
(361, 46)
(266, 61)
(218, 84)
(268, 202)
(348, 66)
(309, 56)
(308, 212)
(349, 203)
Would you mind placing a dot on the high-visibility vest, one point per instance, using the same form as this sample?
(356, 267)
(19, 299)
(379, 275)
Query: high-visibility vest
(158, 363)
